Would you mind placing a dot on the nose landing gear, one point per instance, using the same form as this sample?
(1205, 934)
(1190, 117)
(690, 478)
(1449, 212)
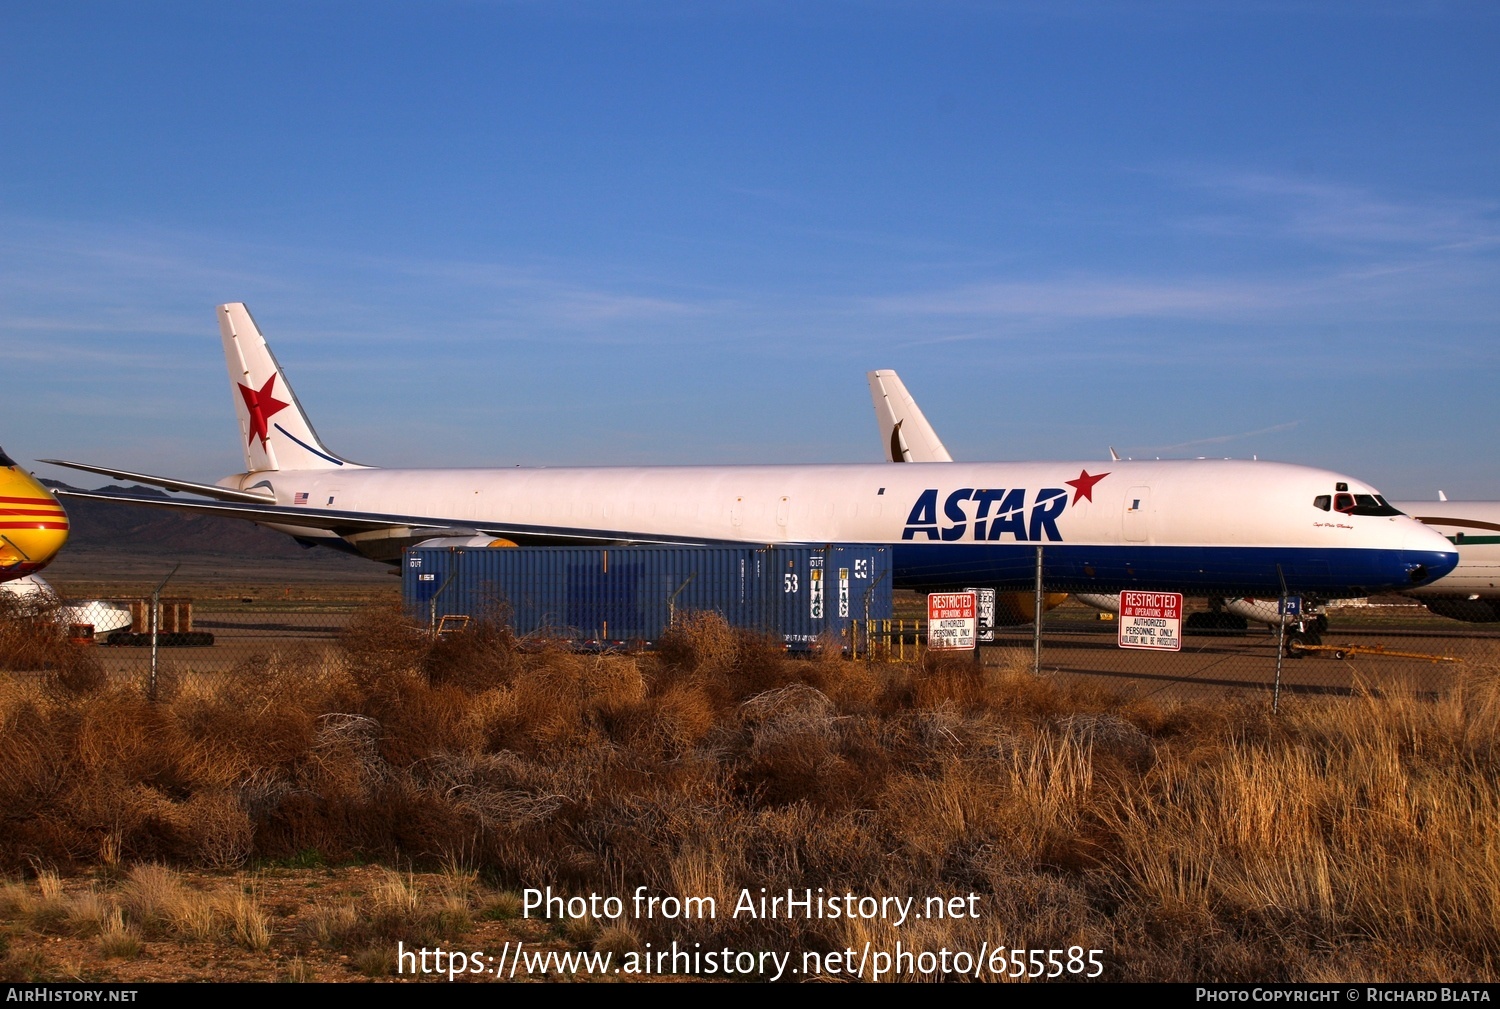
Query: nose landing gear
(1304, 636)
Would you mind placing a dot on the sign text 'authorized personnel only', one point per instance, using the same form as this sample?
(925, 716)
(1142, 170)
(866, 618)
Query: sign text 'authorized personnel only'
(951, 620)
(1151, 620)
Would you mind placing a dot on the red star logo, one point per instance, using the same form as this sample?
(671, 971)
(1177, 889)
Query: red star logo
(1083, 487)
(262, 406)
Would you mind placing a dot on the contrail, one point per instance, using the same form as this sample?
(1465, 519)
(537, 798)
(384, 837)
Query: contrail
(1221, 439)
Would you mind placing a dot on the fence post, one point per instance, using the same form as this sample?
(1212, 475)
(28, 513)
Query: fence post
(432, 605)
(672, 599)
(1036, 634)
(1280, 645)
(869, 650)
(155, 626)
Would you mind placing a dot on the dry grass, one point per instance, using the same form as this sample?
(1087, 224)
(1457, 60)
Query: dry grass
(331, 925)
(140, 918)
(1343, 839)
(117, 939)
(249, 925)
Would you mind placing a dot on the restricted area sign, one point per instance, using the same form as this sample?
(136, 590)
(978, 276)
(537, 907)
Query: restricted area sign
(1151, 620)
(951, 620)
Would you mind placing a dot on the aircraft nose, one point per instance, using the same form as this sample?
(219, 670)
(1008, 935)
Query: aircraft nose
(1427, 555)
(33, 526)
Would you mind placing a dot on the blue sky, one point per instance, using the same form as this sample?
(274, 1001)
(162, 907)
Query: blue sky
(584, 233)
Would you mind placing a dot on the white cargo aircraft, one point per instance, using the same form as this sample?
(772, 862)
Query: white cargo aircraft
(1470, 592)
(1197, 525)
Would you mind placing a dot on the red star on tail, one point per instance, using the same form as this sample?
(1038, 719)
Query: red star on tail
(262, 406)
(1083, 487)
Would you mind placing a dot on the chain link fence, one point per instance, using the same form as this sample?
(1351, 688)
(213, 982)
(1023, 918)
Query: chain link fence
(1382, 644)
(161, 641)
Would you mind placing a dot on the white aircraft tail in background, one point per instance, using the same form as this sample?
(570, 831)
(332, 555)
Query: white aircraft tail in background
(904, 431)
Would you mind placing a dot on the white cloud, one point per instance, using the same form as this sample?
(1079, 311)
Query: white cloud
(1345, 215)
(1351, 256)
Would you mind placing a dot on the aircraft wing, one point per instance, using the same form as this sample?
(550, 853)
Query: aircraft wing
(167, 483)
(358, 525)
(342, 523)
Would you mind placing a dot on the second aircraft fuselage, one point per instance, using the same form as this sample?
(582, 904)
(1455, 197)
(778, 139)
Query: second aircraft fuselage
(1473, 527)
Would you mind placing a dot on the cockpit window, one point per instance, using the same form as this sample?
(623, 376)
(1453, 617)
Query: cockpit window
(6, 460)
(1373, 504)
(1360, 504)
(1322, 501)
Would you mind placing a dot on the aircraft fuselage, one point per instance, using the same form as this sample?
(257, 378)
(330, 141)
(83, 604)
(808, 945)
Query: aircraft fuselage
(1194, 525)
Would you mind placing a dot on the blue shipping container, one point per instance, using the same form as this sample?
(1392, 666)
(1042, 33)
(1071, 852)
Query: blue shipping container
(619, 594)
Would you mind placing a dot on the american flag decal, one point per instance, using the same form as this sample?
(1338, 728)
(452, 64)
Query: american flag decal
(301, 498)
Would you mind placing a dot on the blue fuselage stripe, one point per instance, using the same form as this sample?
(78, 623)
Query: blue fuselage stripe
(1239, 570)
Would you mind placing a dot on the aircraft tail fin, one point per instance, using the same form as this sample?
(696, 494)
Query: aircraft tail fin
(904, 431)
(276, 431)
